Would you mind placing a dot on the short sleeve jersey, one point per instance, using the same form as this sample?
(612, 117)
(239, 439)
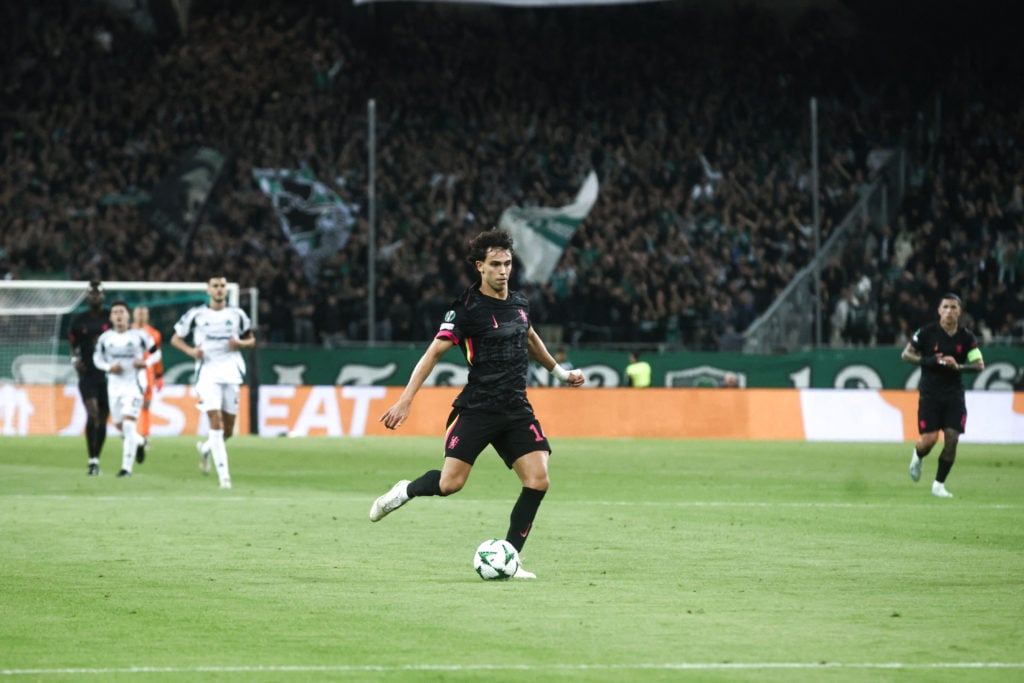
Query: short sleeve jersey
(123, 348)
(930, 340)
(85, 329)
(492, 335)
(210, 332)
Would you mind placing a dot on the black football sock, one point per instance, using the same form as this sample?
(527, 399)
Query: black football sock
(101, 432)
(945, 465)
(427, 485)
(523, 513)
(92, 439)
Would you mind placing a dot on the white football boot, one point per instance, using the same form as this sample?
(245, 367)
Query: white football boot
(939, 489)
(395, 498)
(523, 574)
(915, 466)
(204, 457)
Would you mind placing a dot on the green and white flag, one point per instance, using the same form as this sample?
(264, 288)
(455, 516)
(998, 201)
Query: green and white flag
(315, 219)
(541, 234)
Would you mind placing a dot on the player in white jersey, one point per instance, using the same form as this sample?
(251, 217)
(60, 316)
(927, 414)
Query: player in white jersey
(219, 332)
(121, 353)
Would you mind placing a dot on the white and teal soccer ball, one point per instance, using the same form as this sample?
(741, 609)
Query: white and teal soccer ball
(496, 559)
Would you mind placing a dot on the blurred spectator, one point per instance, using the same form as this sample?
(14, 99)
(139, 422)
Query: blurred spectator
(303, 310)
(330, 321)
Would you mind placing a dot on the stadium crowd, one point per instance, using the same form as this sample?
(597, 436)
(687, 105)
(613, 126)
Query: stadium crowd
(695, 121)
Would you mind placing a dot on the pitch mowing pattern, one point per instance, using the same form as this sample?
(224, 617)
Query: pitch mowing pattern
(656, 560)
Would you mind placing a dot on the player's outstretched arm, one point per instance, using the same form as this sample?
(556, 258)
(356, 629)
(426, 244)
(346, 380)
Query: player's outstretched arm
(394, 416)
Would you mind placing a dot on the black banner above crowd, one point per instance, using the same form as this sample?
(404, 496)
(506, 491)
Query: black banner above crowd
(177, 202)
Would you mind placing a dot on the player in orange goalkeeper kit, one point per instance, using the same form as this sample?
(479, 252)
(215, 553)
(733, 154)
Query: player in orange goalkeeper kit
(140, 319)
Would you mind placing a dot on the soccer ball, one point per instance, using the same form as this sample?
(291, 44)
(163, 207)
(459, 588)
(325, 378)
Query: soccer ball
(495, 559)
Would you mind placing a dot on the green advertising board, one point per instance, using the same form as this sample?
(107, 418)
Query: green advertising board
(843, 369)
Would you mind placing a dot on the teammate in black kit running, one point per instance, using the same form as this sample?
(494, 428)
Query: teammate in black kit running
(491, 326)
(944, 350)
(92, 383)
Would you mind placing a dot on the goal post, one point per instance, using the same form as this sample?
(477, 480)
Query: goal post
(35, 316)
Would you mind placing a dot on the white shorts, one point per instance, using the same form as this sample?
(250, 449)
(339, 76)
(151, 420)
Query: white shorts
(217, 396)
(124, 404)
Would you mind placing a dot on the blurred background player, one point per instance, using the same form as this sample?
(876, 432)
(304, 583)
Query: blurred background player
(124, 354)
(638, 372)
(154, 375)
(218, 332)
(945, 350)
(92, 383)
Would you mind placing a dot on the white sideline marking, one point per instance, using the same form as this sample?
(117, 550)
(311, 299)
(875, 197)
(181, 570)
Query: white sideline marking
(755, 504)
(666, 666)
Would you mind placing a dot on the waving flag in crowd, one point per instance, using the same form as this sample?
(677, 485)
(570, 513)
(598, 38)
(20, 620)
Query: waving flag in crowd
(315, 219)
(541, 234)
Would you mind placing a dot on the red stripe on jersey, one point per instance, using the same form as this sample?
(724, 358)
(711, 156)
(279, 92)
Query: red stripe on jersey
(447, 335)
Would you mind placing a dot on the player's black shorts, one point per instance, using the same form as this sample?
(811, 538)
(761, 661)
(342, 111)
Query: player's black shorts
(934, 414)
(93, 384)
(513, 436)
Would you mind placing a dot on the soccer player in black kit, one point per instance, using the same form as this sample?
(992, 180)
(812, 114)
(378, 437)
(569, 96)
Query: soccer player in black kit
(92, 383)
(491, 326)
(944, 350)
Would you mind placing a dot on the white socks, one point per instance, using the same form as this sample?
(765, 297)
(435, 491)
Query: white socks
(130, 445)
(219, 453)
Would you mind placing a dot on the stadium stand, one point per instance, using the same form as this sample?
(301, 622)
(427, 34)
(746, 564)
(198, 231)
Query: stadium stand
(695, 120)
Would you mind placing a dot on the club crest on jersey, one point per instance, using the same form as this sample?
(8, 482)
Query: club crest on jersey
(522, 314)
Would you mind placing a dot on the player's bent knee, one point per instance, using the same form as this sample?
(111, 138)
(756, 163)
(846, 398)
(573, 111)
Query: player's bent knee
(450, 487)
(449, 484)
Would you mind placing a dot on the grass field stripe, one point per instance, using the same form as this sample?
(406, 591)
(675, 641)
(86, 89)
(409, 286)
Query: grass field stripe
(666, 666)
(467, 500)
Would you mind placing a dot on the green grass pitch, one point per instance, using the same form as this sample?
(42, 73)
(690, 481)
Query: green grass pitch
(656, 560)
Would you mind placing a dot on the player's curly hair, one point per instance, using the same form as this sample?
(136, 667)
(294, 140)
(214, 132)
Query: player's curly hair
(495, 238)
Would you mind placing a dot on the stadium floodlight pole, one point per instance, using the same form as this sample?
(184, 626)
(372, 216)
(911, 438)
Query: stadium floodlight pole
(817, 223)
(371, 238)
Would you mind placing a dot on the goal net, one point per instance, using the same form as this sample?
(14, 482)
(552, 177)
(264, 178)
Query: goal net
(35, 316)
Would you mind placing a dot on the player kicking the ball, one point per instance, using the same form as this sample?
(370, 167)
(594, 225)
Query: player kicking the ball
(491, 326)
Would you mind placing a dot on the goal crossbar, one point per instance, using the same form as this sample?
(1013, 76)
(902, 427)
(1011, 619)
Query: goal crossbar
(35, 316)
(82, 286)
